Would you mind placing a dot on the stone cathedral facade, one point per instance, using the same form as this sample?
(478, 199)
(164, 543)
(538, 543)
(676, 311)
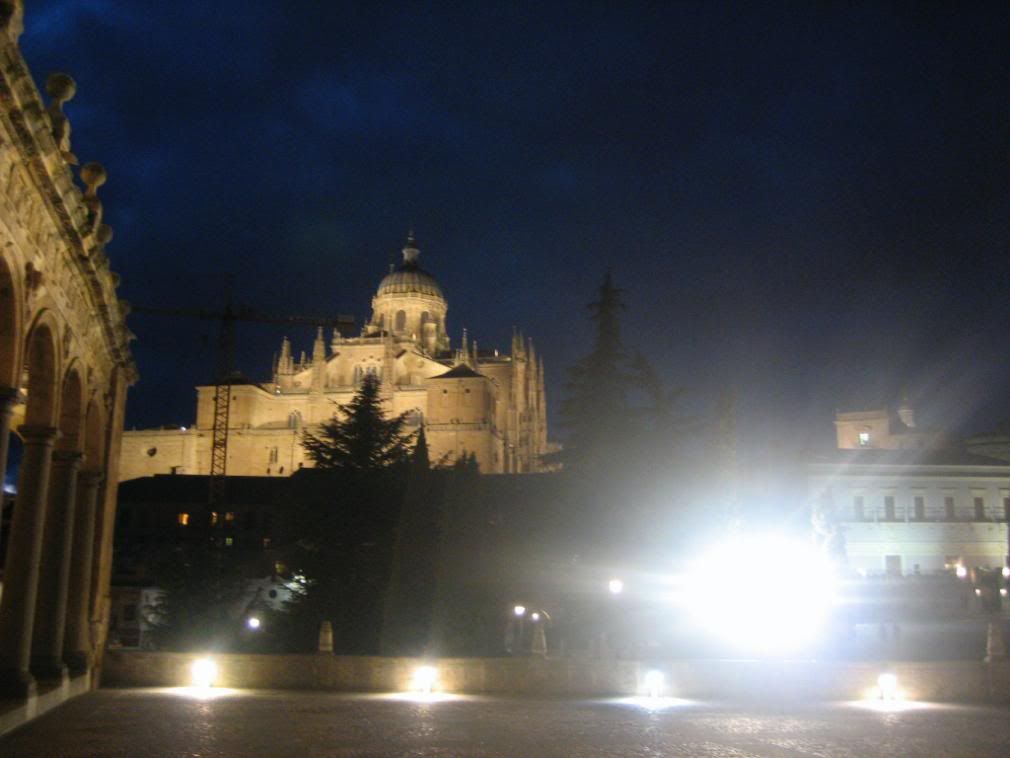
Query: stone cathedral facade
(483, 403)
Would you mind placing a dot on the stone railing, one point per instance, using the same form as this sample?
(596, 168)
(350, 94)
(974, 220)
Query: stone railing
(956, 681)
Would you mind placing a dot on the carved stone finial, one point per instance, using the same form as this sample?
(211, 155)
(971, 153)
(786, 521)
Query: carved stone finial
(103, 235)
(12, 18)
(93, 175)
(61, 88)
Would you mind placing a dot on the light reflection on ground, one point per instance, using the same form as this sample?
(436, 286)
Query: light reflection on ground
(200, 693)
(891, 706)
(422, 697)
(651, 703)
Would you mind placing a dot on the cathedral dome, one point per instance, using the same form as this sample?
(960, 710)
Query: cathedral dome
(409, 278)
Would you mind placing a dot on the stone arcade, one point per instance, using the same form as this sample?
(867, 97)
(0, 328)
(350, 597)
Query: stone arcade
(65, 366)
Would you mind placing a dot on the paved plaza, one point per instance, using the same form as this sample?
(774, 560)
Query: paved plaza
(166, 722)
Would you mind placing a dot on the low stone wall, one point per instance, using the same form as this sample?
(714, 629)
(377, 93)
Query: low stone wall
(963, 681)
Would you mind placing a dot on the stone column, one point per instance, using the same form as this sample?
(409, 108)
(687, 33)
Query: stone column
(77, 643)
(21, 572)
(54, 568)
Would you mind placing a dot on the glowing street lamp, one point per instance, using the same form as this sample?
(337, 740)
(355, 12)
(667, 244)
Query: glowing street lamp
(616, 586)
(519, 610)
(253, 623)
(961, 571)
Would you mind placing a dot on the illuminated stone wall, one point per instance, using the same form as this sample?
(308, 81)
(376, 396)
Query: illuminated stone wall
(65, 366)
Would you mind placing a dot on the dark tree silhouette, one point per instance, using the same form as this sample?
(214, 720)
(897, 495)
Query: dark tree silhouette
(595, 409)
(363, 439)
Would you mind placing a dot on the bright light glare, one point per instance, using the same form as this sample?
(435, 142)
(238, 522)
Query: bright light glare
(1006, 572)
(766, 594)
(616, 586)
(654, 683)
(1002, 591)
(424, 679)
(519, 610)
(978, 592)
(253, 622)
(961, 571)
(887, 687)
(535, 617)
(204, 672)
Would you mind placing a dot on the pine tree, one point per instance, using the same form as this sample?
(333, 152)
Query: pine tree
(363, 438)
(595, 409)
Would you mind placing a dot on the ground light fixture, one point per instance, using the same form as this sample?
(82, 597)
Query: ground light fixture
(424, 679)
(653, 683)
(204, 672)
(253, 623)
(766, 594)
(887, 686)
(616, 586)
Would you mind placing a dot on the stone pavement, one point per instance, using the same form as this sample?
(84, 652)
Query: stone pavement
(163, 722)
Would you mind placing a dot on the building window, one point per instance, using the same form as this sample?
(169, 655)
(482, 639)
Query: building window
(889, 507)
(864, 439)
(979, 508)
(266, 543)
(213, 518)
(859, 508)
(1006, 509)
(401, 321)
(920, 508)
(948, 507)
(273, 455)
(183, 519)
(229, 517)
(229, 541)
(294, 420)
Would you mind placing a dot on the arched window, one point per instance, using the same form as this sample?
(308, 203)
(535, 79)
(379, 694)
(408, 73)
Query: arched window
(294, 420)
(401, 321)
(382, 321)
(357, 375)
(425, 318)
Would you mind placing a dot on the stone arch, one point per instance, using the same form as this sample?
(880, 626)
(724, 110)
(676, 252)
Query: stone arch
(71, 419)
(42, 372)
(10, 327)
(94, 437)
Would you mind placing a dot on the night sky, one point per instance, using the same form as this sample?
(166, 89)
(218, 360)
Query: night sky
(809, 202)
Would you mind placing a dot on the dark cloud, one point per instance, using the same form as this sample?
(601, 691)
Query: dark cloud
(807, 200)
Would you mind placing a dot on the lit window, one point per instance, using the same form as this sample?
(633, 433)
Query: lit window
(229, 517)
(213, 518)
(266, 542)
(864, 439)
(183, 519)
(228, 541)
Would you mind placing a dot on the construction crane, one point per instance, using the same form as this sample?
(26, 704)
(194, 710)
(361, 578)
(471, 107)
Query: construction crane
(226, 319)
